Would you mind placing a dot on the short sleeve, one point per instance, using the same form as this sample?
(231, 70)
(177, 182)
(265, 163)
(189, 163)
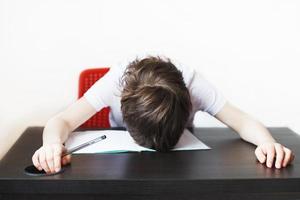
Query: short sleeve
(101, 93)
(204, 96)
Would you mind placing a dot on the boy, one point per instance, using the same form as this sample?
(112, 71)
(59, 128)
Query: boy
(155, 100)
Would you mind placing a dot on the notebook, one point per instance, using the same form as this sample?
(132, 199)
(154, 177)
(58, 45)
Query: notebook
(118, 141)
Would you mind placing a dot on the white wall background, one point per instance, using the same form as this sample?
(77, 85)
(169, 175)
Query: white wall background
(248, 49)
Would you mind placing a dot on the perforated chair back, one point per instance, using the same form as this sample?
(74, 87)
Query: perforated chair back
(86, 79)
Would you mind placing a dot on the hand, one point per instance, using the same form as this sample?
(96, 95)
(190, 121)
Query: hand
(274, 152)
(48, 158)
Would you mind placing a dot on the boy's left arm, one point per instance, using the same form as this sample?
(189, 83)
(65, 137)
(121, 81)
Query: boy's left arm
(251, 130)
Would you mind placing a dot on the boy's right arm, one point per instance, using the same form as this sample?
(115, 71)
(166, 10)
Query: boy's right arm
(56, 132)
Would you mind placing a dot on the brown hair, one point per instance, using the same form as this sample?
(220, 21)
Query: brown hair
(155, 102)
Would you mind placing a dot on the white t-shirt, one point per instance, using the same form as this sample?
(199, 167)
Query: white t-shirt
(106, 92)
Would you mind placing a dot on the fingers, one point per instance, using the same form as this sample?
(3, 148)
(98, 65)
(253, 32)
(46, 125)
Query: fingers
(57, 159)
(66, 159)
(289, 157)
(43, 161)
(35, 160)
(48, 157)
(260, 155)
(270, 155)
(280, 155)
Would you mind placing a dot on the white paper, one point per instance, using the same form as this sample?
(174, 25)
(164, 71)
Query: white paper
(120, 141)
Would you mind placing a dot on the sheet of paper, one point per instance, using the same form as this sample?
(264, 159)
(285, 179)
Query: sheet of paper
(189, 142)
(120, 141)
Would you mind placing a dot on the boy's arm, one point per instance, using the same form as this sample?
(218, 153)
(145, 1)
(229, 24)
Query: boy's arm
(56, 132)
(60, 126)
(254, 132)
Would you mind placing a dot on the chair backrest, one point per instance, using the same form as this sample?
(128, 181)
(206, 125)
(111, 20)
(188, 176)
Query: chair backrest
(86, 79)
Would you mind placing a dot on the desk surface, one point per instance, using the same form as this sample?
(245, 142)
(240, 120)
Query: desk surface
(229, 169)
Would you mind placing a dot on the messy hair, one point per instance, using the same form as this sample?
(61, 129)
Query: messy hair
(155, 102)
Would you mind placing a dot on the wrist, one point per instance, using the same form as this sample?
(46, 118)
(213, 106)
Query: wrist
(52, 141)
(271, 140)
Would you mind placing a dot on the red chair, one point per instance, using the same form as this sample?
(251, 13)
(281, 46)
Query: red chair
(86, 79)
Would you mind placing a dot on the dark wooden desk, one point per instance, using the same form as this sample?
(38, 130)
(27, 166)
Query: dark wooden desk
(228, 171)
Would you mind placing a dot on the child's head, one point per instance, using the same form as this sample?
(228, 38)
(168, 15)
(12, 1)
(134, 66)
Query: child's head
(155, 102)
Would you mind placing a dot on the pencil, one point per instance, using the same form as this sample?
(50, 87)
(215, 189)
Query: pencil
(72, 150)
